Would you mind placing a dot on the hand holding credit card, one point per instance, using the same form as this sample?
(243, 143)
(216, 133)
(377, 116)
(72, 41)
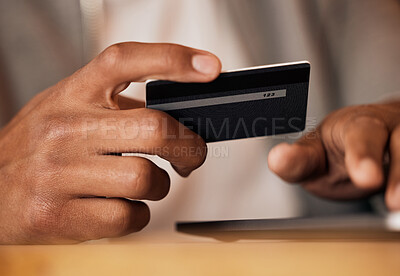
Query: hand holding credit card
(252, 102)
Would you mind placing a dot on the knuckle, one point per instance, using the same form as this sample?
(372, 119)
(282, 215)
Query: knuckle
(47, 173)
(42, 173)
(41, 218)
(368, 119)
(54, 143)
(156, 124)
(156, 115)
(112, 56)
(168, 54)
(167, 60)
(139, 183)
(143, 182)
(120, 219)
(48, 170)
(172, 55)
(353, 118)
(57, 128)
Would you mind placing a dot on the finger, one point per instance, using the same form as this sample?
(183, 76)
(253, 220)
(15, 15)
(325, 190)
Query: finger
(393, 189)
(300, 161)
(123, 177)
(131, 61)
(151, 132)
(95, 218)
(364, 140)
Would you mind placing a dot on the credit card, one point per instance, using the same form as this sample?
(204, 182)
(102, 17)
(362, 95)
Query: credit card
(251, 102)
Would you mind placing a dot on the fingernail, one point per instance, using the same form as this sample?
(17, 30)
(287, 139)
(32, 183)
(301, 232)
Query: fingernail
(205, 64)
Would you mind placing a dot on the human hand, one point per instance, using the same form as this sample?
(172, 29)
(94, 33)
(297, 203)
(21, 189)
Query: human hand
(60, 180)
(344, 157)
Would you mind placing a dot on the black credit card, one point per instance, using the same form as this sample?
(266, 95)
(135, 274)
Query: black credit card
(252, 102)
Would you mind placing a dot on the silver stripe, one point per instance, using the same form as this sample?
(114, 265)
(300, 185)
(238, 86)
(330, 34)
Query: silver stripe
(220, 100)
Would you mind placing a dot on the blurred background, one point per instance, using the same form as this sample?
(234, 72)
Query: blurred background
(353, 47)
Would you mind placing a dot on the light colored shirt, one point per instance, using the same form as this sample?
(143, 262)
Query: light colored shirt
(247, 33)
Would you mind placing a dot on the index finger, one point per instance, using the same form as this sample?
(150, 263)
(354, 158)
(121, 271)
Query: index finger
(299, 161)
(131, 61)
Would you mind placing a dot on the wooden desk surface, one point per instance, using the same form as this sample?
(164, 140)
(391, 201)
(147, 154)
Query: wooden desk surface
(186, 255)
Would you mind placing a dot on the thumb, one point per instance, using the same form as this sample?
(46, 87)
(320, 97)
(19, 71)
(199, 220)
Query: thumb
(297, 162)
